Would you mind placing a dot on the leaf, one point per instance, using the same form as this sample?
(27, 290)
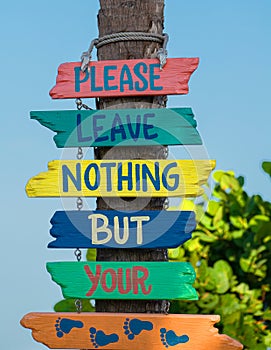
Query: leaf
(213, 207)
(208, 301)
(207, 221)
(218, 218)
(91, 254)
(238, 221)
(267, 167)
(218, 174)
(241, 180)
(222, 275)
(204, 237)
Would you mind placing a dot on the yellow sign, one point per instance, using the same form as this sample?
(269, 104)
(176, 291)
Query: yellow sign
(121, 178)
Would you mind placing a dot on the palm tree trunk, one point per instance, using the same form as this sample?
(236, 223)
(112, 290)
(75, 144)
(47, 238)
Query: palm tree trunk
(128, 16)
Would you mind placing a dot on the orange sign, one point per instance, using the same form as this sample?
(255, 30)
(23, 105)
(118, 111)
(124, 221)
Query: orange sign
(128, 331)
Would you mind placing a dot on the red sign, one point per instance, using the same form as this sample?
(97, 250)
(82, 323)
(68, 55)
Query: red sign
(124, 78)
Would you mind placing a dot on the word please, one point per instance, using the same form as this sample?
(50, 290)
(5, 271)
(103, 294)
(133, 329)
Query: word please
(132, 176)
(124, 279)
(141, 77)
(105, 230)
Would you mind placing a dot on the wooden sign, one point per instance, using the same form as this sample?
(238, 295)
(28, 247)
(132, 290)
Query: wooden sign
(127, 331)
(124, 178)
(124, 78)
(124, 280)
(121, 127)
(113, 229)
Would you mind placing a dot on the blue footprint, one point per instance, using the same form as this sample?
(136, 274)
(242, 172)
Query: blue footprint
(135, 327)
(169, 338)
(65, 325)
(99, 338)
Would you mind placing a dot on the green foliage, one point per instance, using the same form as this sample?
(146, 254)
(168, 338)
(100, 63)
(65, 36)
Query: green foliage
(267, 167)
(69, 305)
(231, 254)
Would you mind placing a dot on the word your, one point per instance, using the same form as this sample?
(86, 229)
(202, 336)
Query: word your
(124, 279)
(104, 229)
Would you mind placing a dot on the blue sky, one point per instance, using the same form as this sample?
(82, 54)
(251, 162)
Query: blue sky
(229, 94)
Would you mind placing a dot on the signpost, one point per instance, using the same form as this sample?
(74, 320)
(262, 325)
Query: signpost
(125, 178)
(112, 229)
(119, 78)
(121, 127)
(124, 280)
(153, 282)
(127, 331)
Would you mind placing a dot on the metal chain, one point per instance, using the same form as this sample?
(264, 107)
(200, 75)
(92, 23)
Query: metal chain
(165, 152)
(79, 203)
(80, 104)
(165, 306)
(166, 204)
(78, 302)
(78, 254)
(80, 153)
(161, 54)
(78, 305)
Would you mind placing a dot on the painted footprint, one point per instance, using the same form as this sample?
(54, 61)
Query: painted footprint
(65, 325)
(99, 338)
(169, 338)
(135, 327)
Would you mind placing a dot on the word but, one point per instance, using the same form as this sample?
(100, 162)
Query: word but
(105, 230)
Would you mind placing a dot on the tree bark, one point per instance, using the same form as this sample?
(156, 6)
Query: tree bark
(127, 16)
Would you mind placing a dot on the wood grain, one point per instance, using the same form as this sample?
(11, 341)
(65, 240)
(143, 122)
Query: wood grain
(121, 178)
(113, 229)
(124, 280)
(128, 331)
(120, 78)
(121, 127)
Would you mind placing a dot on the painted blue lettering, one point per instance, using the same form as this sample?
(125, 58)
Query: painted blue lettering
(175, 177)
(93, 80)
(97, 128)
(80, 137)
(137, 171)
(125, 71)
(138, 73)
(108, 167)
(77, 80)
(147, 173)
(154, 77)
(66, 174)
(119, 130)
(108, 77)
(97, 176)
(147, 127)
(134, 134)
(128, 177)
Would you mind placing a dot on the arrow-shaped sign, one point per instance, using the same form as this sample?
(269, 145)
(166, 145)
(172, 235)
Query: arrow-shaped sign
(128, 331)
(121, 127)
(113, 229)
(120, 78)
(125, 178)
(124, 280)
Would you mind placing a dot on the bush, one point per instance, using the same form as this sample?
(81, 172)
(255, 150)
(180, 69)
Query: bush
(231, 254)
